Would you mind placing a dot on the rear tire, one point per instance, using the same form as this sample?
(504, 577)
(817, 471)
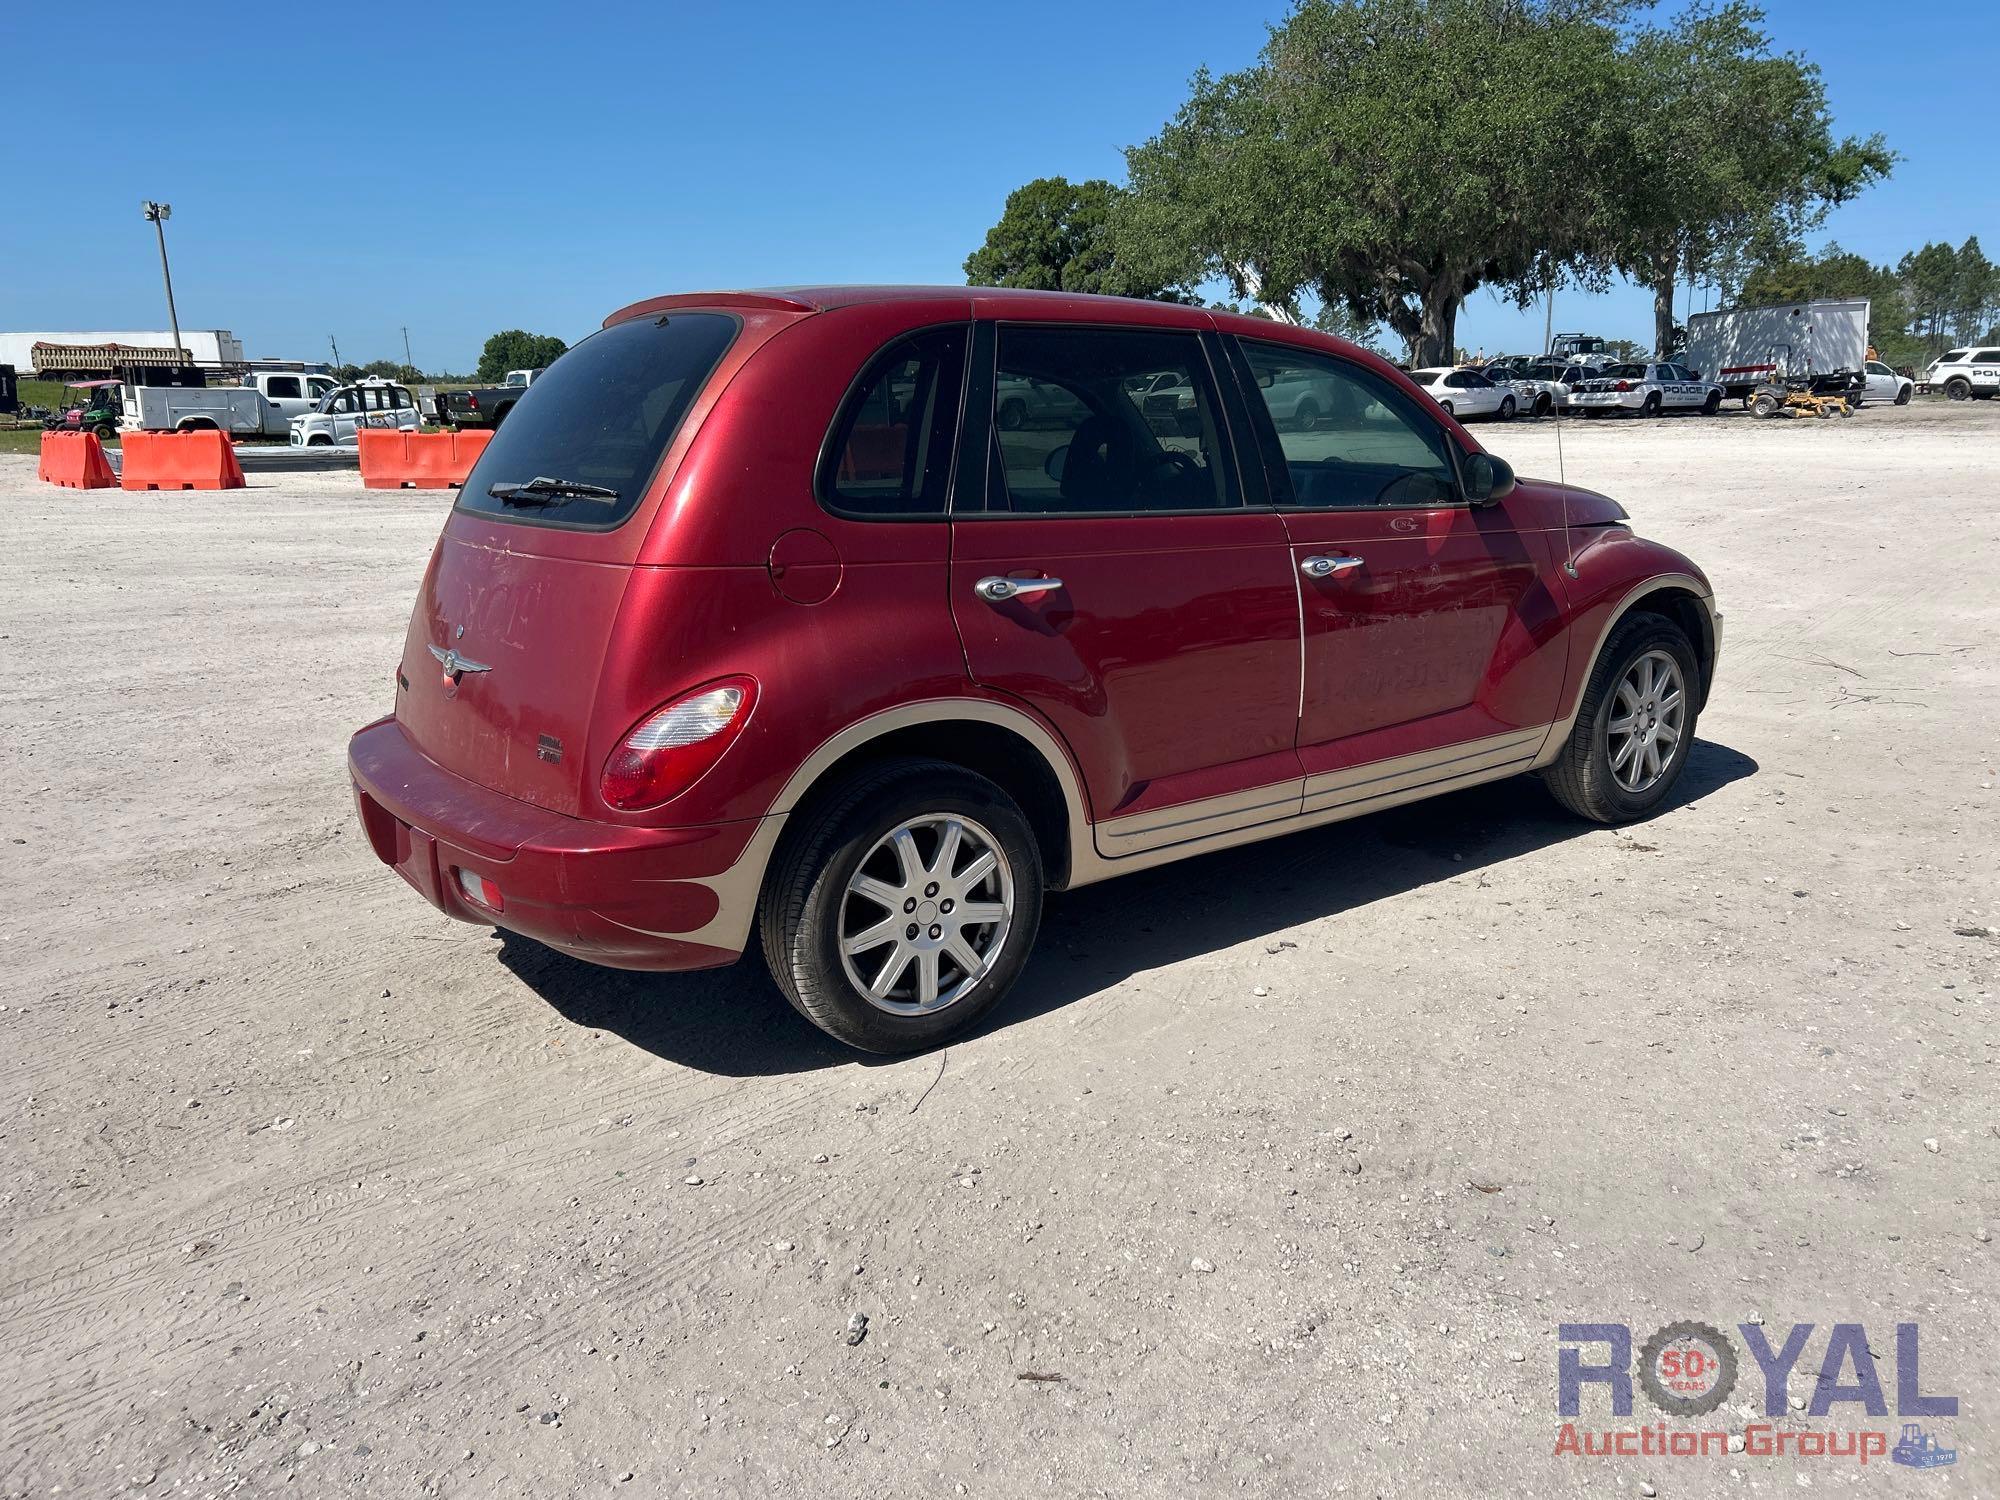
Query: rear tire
(838, 842)
(1013, 414)
(1958, 389)
(1582, 777)
(1447, 407)
(1650, 407)
(1307, 417)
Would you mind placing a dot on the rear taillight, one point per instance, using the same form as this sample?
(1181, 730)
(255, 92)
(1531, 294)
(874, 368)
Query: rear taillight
(472, 401)
(1624, 385)
(669, 749)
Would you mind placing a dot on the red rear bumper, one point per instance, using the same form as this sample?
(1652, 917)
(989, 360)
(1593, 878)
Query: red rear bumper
(629, 897)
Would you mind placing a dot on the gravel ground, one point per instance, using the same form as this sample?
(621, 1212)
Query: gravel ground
(1277, 1174)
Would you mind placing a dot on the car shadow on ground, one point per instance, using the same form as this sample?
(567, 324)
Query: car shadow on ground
(732, 1022)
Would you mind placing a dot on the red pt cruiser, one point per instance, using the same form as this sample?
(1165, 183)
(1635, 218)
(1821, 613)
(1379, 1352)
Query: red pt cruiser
(854, 620)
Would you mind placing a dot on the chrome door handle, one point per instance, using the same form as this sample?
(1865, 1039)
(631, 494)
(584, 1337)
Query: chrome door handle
(997, 590)
(1326, 567)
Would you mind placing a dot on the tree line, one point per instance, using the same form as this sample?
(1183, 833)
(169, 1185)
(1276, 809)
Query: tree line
(1384, 159)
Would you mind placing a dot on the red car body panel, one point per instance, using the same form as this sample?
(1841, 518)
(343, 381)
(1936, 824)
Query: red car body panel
(1168, 662)
(1185, 664)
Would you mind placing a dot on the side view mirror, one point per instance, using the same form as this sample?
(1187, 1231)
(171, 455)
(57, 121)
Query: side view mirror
(1053, 464)
(1487, 479)
(1694, 374)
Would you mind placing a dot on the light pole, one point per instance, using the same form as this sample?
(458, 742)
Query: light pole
(408, 363)
(158, 214)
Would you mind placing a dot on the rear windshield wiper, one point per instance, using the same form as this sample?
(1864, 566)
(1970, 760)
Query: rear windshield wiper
(543, 491)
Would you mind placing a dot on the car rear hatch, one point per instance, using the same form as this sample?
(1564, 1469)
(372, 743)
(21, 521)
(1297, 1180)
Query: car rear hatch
(507, 644)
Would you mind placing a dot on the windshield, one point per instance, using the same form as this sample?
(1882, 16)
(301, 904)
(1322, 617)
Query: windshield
(600, 416)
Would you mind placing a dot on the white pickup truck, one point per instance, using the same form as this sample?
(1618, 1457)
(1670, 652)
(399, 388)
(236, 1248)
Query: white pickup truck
(262, 406)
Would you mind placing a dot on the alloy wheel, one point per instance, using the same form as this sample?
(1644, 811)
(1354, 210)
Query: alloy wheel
(1648, 716)
(926, 914)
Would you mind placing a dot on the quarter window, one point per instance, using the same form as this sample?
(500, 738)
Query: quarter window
(1349, 437)
(891, 455)
(1105, 421)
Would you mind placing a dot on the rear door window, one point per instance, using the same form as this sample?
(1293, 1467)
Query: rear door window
(601, 416)
(1110, 421)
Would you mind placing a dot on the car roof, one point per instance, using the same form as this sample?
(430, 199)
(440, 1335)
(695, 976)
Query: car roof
(1004, 302)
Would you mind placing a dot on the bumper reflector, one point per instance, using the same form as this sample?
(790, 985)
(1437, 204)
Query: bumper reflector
(479, 889)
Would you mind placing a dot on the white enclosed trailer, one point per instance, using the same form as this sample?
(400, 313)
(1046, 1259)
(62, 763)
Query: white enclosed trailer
(1744, 347)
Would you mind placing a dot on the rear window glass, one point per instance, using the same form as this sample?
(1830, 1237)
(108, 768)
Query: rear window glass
(1625, 372)
(598, 418)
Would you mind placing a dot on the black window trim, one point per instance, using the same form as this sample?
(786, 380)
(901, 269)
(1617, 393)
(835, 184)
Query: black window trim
(1278, 472)
(829, 456)
(1236, 493)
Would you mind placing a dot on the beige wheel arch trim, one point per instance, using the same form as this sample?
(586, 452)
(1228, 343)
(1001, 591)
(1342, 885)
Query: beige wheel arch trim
(1559, 731)
(738, 887)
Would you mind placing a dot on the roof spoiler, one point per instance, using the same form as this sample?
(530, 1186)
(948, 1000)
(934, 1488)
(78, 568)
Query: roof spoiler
(749, 301)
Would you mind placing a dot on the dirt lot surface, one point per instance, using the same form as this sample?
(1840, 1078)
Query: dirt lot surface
(1277, 1175)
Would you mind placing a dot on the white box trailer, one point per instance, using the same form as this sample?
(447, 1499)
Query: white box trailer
(1743, 347)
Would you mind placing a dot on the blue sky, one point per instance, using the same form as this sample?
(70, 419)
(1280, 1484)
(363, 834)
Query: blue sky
(349, 171)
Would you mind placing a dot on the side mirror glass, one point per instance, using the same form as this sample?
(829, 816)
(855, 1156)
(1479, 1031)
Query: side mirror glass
(1487, 479)
(1053, 464)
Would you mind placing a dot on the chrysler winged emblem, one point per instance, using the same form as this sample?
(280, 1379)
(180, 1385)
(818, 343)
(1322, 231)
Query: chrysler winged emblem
(454, 664)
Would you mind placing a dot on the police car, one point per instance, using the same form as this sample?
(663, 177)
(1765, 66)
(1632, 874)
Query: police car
(1960, 373)
(1646, 389)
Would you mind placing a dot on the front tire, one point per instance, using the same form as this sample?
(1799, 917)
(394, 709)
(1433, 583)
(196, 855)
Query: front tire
(1307, 417)
(906, 847)
(1903, 395)
(1506, 408)
(1712, 405)
(1543, 404)
(1634, 726)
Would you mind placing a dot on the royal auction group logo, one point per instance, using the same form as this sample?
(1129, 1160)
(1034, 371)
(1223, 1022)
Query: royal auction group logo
(1688, 1369)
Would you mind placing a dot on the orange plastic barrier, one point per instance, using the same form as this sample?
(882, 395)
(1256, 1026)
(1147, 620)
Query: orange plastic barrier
(180, 461)
(76, 461)
(392, 459)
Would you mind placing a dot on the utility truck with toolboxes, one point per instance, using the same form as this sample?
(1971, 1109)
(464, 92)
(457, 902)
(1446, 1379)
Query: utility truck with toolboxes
(1823, 344)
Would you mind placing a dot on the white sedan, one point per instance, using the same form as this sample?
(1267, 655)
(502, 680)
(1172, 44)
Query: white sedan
(1467, 393)
(1884, 384)
(1648, 389)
